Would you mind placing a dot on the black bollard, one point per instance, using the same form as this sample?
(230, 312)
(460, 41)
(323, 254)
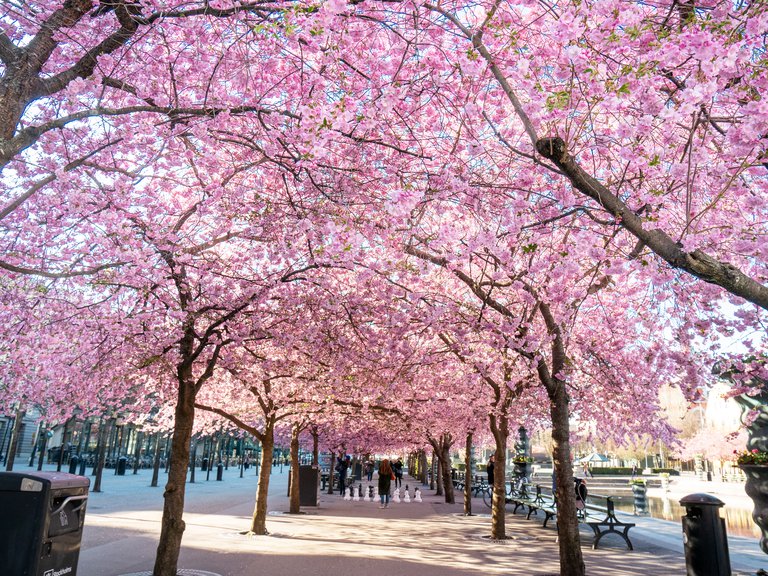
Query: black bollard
(704, 537)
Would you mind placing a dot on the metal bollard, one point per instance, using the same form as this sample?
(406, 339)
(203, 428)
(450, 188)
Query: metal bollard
(704, 536)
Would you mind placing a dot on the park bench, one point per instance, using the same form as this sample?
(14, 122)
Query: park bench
(477, 487)
(519, 495)
(601, 520)
(537, 502)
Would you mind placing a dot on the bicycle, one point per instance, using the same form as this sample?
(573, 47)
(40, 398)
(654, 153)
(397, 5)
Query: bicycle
(512, 489)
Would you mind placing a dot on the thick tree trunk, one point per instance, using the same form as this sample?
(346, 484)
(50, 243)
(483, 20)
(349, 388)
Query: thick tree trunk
(445, 467)
(443, 451)
(294, 506)
(11, 454)
(172, 527)
(424, 468)
(259, 519)
(571, 558)
(315, 448)
(43, 445)
(156, 461)
(468, 476)
(137, 452)
(437, 474)
(331, 472)
(500, 430)
(101, 453)
(62, 445)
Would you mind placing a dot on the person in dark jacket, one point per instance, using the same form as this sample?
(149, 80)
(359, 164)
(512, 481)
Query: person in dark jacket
(341, 467)
(385, 482)
(489, 468)
(397, 468)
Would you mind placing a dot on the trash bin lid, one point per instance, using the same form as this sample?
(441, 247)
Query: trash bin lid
(700, 500)
(12, 481)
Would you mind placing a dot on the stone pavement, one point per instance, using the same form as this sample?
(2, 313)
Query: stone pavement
(340, 538)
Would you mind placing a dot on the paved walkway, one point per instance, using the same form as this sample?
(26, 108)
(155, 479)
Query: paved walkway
(341, 538)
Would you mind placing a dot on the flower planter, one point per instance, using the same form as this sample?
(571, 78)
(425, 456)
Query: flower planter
(757, 489)
(757, 428)
(521, 469)
(639, 491)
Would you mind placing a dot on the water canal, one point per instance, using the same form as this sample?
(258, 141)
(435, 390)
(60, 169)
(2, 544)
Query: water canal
(738, 521)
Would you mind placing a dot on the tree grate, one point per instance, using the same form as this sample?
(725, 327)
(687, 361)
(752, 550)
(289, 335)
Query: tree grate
(180, 572)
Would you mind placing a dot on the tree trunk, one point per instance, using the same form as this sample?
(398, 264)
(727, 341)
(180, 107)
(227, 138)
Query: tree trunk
(445, 466)
(11, 454)
(294, 507)
(137, 452)
(101, 454)
(63, 444)
(43, 446)
(259, 519)
(315, 447)
(331, 471)
(500, 430)
(468, 476)
(437, 474)
(571, 558)
(156, 461)
(172, 527)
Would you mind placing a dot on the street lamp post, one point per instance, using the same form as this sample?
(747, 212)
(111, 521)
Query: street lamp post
(241, 451)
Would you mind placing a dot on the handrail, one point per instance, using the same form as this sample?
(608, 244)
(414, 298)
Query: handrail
(69, 499)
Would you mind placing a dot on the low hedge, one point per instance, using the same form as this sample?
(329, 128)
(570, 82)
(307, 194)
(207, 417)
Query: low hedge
(670, 471)
(623, 471)
(610, 471)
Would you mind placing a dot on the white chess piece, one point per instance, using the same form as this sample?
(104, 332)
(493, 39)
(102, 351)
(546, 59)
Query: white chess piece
(407, 496)
(355, 495)
(347, 494)
(396, 497)
(417, 495)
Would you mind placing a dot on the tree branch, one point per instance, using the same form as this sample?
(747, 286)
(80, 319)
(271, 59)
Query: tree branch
(697, 263)
(232, 418)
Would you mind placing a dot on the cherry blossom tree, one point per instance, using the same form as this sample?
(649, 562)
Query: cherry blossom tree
(517, 192)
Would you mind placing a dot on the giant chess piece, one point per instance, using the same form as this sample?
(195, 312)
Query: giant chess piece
(396, 497)
(417, 495)
(348, 493)
(407, 497)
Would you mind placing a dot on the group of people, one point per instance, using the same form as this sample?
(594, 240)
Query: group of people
(389, 472)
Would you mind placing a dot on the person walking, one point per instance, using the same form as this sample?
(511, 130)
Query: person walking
(397, 468)
(369, 466)
(341, 467)
(386, 475)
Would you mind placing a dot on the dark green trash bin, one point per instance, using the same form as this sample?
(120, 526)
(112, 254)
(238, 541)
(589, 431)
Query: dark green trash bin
(41, 524)
(122, 462)
(309, 481)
